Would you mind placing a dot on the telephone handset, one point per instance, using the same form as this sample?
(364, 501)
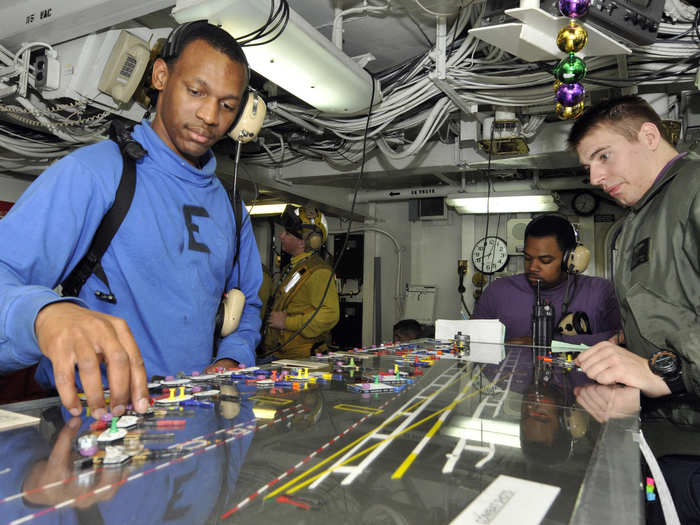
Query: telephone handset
(233, 304)
(251, 120)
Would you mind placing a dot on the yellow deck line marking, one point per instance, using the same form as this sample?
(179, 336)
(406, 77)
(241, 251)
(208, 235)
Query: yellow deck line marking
(369, 449)
(350, 445)
(358, 408)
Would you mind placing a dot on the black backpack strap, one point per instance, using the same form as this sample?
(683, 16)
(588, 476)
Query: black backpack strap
(131, 151)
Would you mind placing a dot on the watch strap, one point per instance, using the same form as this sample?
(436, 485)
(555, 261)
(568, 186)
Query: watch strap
(676, 385)
(673, 380)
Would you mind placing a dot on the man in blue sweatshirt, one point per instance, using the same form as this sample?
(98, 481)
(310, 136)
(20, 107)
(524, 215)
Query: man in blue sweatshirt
(168, 264)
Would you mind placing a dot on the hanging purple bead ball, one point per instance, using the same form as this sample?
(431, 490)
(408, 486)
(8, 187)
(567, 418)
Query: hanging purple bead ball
(574, 8)
(570, 94)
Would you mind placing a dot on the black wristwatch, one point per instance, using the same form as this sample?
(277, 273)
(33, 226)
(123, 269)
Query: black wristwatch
(667, 365)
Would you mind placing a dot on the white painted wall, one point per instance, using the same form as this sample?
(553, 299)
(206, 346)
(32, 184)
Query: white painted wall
(429, 253)
(435, 248)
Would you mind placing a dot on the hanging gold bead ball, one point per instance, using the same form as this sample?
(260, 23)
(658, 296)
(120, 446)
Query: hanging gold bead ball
(572, 38)
(569, 112)
(556, 85)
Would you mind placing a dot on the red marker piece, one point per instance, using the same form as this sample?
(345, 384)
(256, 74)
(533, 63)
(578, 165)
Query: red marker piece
(98, 425)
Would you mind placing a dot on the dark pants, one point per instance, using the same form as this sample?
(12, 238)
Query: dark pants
(682, 474)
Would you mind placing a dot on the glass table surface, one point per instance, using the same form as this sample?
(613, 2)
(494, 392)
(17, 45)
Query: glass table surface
(422, 446)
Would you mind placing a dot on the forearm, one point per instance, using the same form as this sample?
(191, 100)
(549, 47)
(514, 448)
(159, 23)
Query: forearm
(49, 227)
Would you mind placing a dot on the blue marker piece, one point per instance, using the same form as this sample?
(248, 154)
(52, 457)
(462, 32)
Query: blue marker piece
(196, 403)
(651, 496)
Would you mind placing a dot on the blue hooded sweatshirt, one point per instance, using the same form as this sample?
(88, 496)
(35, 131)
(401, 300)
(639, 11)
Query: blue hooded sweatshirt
(168, 264)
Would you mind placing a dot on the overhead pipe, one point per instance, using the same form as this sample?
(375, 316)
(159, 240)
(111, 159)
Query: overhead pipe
(340, 15)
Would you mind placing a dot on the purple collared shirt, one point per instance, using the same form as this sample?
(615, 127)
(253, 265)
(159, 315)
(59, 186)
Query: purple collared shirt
(511, 299)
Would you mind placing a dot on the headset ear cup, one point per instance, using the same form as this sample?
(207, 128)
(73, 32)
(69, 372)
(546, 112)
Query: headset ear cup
(315, 240)
(579, 259)
(567, 325)
(582, 323)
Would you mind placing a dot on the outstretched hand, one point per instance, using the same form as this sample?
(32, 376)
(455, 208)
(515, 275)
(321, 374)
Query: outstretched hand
(70, 335)
(607, 364)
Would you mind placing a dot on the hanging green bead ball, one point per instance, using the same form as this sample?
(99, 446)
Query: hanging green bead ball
(572, 38)
(569, 112)
(571, 69)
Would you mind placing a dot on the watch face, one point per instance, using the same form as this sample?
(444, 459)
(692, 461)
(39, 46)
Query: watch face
(664, 363)
(490, 255)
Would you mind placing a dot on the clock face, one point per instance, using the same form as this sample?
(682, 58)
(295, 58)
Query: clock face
(584, 203)
(490, 255)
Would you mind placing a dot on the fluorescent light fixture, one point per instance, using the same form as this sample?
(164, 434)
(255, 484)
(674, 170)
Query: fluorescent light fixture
(502, 202)
(301, 60)
(266, 209)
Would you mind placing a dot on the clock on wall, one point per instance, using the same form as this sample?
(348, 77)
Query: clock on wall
(490, 255)
(584, 203)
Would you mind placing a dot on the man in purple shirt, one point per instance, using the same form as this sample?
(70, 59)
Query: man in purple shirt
(587, 305)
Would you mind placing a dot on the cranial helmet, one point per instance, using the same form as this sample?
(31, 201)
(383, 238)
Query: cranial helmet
(306, 223)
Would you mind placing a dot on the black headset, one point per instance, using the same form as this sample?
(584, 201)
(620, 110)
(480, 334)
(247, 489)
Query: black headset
(180, 36)
(574, 252)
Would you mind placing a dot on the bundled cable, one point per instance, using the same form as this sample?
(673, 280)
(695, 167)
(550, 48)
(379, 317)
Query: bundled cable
(272, 28)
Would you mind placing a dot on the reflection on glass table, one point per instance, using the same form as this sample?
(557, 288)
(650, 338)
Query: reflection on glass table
(426, 451)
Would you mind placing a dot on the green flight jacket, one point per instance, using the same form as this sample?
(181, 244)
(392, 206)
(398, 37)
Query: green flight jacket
(657, 275)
